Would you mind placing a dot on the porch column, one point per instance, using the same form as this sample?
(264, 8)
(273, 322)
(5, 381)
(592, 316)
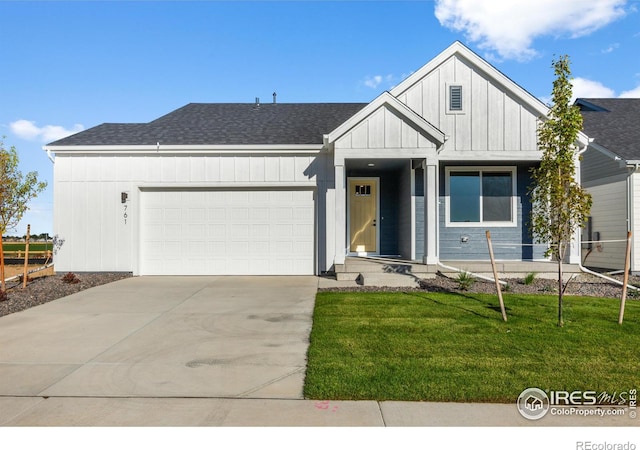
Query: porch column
(430, 211)
(340, 214)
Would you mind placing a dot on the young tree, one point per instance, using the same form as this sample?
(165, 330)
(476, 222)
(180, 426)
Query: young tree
(559, 204)
(16, 191)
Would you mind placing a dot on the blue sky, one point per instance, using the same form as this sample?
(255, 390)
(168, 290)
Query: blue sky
(68, 66)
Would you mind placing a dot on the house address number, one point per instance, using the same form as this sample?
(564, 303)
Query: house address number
(124, 214)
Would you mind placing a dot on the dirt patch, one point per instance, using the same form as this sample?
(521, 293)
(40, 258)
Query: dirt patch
(13, 270)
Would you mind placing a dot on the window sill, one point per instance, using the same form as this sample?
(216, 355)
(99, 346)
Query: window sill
(481, 224)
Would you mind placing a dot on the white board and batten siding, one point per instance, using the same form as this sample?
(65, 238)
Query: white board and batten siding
(379, 134)
(492, 119)
(103, 234)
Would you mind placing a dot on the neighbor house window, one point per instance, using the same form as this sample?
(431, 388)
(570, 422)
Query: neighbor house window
(481, 196)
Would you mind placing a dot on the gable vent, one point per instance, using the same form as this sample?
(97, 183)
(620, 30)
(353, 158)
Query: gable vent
(455, 98)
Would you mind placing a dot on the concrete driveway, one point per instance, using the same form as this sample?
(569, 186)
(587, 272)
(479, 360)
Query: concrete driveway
(229, 337)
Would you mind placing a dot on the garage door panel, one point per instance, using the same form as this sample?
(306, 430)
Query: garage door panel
(265, 232)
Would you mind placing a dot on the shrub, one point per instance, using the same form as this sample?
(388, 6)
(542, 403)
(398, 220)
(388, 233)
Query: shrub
(70, 278)
(529, 278)
(465, 280)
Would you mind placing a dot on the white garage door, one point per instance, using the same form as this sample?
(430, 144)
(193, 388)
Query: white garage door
(227, 232)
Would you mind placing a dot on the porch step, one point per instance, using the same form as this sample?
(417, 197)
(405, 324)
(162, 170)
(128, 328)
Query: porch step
(372, 265)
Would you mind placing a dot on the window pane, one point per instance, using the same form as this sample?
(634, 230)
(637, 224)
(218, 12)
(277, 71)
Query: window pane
(464, 196)
(496, 196)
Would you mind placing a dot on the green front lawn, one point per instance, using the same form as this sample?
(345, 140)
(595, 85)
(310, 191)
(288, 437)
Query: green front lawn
(33, 246)
(455, 347)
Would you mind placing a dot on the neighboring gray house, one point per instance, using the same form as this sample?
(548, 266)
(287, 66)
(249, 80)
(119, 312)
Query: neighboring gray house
(419, 173)
(610, 173)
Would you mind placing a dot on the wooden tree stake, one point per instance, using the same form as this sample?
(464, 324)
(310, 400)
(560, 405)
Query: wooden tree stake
(626, 278)
(3, 286)
(26, 257)
(495, 277)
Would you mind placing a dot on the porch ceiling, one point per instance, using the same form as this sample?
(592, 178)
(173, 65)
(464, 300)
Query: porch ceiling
(379, 164)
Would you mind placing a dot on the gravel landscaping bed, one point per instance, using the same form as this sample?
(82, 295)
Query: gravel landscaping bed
(582, 284)
(44, 289)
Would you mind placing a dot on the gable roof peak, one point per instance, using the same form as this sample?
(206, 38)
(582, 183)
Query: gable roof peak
(457, 48)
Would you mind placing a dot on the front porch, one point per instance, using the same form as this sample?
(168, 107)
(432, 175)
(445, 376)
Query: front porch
(381, 271)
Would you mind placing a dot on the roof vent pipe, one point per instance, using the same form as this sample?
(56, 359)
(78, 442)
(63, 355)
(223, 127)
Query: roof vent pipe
(274, 97)
(257, 101)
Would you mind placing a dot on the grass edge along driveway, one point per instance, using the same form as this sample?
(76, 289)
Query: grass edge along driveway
(455, 347)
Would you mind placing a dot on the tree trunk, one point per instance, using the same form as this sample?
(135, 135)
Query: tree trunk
(560, 285)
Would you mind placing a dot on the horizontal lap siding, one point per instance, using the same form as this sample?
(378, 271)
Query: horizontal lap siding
(510, 243)
(597, 168)
(609, 218)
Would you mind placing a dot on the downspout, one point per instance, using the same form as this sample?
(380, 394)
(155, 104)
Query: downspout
(612, 280)
(49, 155)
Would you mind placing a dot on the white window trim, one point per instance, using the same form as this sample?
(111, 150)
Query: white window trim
(514, 199)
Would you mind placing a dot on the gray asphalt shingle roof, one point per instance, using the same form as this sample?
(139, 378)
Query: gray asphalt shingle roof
(613, 123)
(225, 124)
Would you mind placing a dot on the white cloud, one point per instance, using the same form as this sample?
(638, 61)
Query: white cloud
(27, 129)
(590, 89)
(376, 80)
(611, 48)
(373, 82)
(633, 93)
(508, 28)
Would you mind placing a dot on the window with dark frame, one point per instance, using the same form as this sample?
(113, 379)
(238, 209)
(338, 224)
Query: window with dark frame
(480, 196)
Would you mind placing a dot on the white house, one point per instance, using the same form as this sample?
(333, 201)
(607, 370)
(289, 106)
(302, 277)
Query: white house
(610, 172)
(419, 174)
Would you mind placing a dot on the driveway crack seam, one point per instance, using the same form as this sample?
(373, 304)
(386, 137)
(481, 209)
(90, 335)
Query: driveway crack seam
(275, 380)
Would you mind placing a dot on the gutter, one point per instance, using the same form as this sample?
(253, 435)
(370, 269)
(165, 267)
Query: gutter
(167, 148)
(49, 155)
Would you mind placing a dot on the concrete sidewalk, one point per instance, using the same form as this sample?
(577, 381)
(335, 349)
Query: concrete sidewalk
(177, 412)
